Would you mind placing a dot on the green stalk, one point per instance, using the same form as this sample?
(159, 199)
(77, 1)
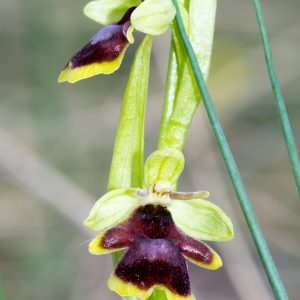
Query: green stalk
(286, 127)
(257, 235)
(158, 295)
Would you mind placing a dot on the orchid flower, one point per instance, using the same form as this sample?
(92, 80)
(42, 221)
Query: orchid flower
(105, 51)
(160, 228)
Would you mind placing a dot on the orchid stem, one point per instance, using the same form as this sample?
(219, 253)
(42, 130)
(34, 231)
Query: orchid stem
(285, 123)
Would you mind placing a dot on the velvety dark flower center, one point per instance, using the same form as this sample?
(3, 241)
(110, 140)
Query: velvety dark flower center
(154, 221)
(154, 261)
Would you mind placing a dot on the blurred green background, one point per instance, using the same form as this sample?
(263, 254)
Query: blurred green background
(56, 144)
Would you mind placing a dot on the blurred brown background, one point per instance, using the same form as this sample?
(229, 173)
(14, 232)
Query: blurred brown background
(56, 144)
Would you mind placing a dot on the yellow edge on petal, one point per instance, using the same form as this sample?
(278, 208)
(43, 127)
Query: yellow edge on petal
(216, 262)
(106, 67)
(172, 296)
(128, 289)
(95, 246)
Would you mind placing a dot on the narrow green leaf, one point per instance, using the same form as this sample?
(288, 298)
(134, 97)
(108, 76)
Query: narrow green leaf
(182, 95)
(202, 14)
(257, 235)
(169, 102)
(128, 157)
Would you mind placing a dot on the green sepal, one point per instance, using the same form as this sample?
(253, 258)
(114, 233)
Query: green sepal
(165, 165)
(111, 209)
(153, 16)
(202, 220)
(108, 11)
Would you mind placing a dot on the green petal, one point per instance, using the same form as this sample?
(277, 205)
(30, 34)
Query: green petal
(153, 16)
(164, 164)
(201, 220)
(108, 11)
(111, 209)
